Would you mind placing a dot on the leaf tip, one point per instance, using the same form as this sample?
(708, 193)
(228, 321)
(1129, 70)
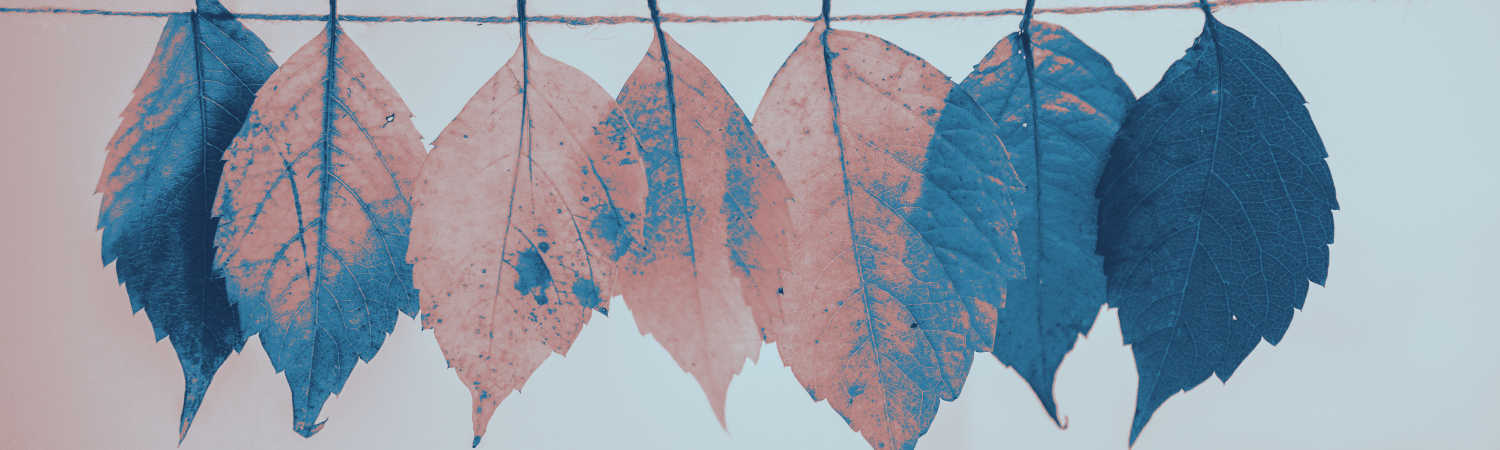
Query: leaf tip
(1061, 422)
(192, 398)
(1136, 426)
(718, 407)
(307, 429)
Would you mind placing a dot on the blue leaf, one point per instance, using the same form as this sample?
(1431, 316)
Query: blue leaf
(1215, 212)
(1076, 102)
(158, 184)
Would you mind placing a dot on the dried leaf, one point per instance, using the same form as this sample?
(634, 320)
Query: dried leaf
(158, 184)
(716, 223)
(1058, 118)
(905, 230)
(314, 217)
(528, 200)
(1215, 211)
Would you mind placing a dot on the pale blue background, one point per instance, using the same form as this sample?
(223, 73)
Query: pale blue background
(1397, 353)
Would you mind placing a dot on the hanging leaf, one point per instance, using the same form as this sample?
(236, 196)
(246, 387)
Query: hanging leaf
(904, 229)
(1215, 212)
(527, 202)
(313, 217)
(158, 184)
(1058, 118)
(715, 223)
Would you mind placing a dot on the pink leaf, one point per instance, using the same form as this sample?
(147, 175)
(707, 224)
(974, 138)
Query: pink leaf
(314, 217)
(715, 225)
(525, 204)
(904, 230)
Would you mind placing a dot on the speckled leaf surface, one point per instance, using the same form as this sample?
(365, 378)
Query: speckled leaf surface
(158, 182)
(314, 216)
(716, 225)
(904, 230)
(1215, 212)
(1058, 118)
(527, 204)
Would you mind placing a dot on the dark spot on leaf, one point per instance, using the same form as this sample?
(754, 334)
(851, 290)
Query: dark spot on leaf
(587, 293)
(608, 225)
(533, 278)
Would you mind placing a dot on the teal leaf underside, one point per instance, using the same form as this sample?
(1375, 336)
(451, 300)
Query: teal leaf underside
(1215, 212)
(1058, 120)
(159, 183)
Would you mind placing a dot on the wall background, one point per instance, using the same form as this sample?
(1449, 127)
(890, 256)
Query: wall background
(1397, 353)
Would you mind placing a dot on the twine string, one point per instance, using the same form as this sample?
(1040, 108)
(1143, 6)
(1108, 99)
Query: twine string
(674, 18)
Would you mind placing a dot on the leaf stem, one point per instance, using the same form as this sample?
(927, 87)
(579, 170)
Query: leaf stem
(525, 60)
(525, 88)
(521, 19)
(1035, 123)
(1026, 19)
(671, 93)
